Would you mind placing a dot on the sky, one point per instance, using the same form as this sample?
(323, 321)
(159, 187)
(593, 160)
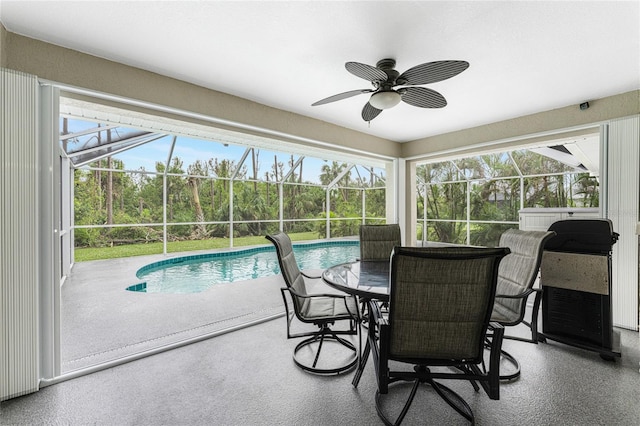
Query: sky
(190, 150)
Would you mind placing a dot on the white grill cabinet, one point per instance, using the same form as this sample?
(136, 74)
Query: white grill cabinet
(575, 275)
(539, 218)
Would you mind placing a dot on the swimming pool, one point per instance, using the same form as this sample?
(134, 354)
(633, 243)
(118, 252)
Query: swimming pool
(193, 274)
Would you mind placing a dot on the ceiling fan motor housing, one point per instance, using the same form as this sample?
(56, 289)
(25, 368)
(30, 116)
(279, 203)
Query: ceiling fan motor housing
(388, 65)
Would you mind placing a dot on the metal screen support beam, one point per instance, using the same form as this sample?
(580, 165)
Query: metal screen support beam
(52, 238)
(364, 205)
(327, 231)
(469, 212)
(281, 206)
(290, 172)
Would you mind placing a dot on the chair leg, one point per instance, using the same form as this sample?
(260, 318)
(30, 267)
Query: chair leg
(364, 357)
(315, 360)
(465, 370)
(454, 400)
(405, 409)
(535, 335)
(509, 358)
(369, 343)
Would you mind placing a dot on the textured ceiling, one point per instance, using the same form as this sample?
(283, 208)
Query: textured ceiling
(525, 56)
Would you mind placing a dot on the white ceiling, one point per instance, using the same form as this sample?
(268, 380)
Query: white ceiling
(525, 56)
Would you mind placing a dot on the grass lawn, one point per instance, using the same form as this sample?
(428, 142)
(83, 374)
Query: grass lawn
(101, 253)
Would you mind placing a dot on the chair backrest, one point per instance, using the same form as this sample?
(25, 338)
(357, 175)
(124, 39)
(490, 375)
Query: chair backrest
(440, 302)
(518, 271)
(377, 241)
(289, 269)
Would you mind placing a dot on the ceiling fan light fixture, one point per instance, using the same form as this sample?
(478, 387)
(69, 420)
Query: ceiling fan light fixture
(385, 99)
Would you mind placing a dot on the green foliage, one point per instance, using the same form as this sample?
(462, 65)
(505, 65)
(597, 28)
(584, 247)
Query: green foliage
(130, 250)
(200, 192)
(494, 187)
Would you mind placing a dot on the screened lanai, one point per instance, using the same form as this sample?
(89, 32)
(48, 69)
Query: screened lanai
(134, 184)
(131, 184)
(474, 199)
(138, 189)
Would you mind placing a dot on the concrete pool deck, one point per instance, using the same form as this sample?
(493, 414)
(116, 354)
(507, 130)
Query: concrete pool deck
(101, 321)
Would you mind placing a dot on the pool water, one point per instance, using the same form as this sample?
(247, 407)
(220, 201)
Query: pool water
(193, 274)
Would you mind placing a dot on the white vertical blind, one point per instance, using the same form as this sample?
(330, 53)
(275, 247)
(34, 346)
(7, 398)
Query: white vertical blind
(18, 234)
(623, 198)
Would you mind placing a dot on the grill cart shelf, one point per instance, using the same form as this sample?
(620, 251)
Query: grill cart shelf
(575, 275)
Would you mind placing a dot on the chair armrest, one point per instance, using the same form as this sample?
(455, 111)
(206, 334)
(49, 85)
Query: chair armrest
(522, 295)
(314, 277)
(495, 325)
(327, 295)
(311, 296)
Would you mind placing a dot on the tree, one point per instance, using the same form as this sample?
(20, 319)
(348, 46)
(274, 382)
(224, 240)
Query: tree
(193, 181)
(109, 186)
(445, 200)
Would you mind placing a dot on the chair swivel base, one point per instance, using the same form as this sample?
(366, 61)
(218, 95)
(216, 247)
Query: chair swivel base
(511, 376)
(321, 339)
(506, 356)
(454, 400)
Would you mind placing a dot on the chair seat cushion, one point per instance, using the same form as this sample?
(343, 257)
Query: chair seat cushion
(503, 315)
(325, 307)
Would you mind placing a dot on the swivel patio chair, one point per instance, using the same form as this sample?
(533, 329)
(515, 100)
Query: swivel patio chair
(516, 277)
(377, 241)
(376, 244)
(439, 313)
(323, 310)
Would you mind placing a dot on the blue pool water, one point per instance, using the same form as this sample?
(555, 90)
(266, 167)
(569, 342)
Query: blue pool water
(193, 274)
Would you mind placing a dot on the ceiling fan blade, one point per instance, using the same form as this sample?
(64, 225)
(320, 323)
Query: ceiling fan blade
(341, 96)
(423, 97)
(365, 71)
(432, 72)
(369, 112)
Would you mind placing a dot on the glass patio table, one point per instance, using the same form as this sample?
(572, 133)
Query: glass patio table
(369, 280)
(365, 279)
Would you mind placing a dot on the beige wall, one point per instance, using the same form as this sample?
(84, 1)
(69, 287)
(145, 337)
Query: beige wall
(3, 50)
(77, 69)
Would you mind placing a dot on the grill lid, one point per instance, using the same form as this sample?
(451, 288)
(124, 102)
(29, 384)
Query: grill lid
(592, 236)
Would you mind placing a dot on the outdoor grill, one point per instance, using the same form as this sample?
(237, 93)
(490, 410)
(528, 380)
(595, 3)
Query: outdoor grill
(575, 274)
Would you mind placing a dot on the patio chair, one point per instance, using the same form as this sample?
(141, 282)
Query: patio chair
(376, 244)
(439, 312)
(322, 310)
(377, 241)
(516, 276)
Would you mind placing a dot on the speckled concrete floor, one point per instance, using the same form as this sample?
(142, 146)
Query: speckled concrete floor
(101, 321)
(247, 377)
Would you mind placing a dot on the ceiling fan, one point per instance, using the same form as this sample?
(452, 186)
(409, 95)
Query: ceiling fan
(385, 79)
